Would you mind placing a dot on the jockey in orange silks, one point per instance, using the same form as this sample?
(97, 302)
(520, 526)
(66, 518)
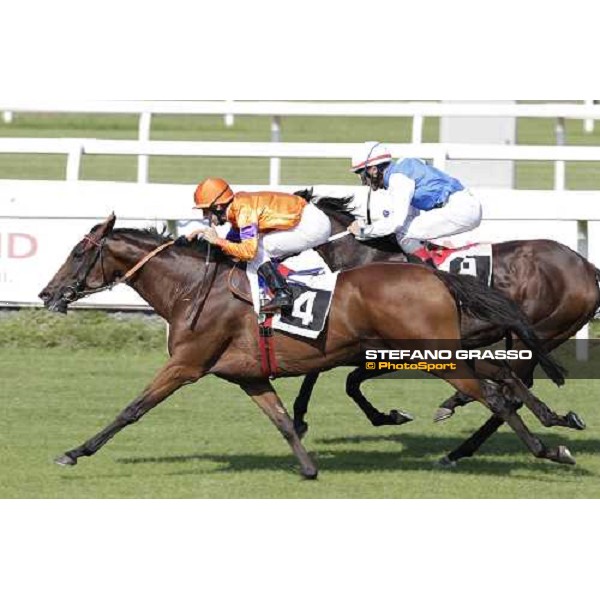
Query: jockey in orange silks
(265, 225)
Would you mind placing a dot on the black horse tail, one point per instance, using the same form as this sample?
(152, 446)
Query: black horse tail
(489, 305)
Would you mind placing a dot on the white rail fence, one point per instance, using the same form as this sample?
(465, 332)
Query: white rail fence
(76, 148)
(418, 111)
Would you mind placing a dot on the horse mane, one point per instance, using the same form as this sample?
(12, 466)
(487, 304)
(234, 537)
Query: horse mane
(339, 209)
(198, 246)
(335, 208)
(149, 233)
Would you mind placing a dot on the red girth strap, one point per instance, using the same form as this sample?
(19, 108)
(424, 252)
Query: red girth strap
(266, 344)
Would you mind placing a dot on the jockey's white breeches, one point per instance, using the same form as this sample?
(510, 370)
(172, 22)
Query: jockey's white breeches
(461, 213)
(313, 230)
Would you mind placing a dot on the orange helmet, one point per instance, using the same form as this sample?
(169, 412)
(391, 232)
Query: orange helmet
(212, 191)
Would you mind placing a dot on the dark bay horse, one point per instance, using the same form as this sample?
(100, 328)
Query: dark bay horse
(222, 338)
(554, 286)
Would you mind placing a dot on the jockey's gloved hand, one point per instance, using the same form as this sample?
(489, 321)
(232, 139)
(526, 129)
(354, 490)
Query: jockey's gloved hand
(210, 235)
(182, 241)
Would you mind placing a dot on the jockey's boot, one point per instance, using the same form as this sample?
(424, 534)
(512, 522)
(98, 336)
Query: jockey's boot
(417, 258)
(282, 295)
(423, 255)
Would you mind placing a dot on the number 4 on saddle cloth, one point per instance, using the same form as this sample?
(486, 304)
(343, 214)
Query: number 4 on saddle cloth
(473, 259)
(312, 284)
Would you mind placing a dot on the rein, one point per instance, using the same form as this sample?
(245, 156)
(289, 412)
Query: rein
(201, 298)
(140, 264)
(337, 236)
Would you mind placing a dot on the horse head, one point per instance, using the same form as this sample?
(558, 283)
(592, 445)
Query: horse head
(83, 270)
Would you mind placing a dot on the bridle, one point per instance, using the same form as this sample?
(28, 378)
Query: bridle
(79, 290)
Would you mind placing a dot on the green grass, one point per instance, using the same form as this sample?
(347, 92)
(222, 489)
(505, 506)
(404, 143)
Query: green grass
(210, 441)
(528, 174)
(40, 329)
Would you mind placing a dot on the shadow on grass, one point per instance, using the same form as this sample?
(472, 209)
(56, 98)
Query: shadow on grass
(414, 454)
(501, 443)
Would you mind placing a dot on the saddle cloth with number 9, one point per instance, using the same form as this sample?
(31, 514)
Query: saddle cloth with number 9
(474, 259)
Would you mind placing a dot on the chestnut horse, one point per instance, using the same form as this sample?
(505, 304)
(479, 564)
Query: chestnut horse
(223, 336)
(554, 286)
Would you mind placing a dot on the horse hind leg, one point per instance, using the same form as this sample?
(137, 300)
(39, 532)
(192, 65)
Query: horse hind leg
(494, 399)
(301, 403)
(492, 395)
(544, 414)
(520, 380)
(376, 417)
(447, 408)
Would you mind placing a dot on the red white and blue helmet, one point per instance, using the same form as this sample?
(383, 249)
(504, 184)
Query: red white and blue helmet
(371, 153)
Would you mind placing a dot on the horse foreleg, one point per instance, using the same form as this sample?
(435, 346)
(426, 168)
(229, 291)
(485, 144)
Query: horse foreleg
(265, 396)
(169, 379)
(301, 403)
(377, 418)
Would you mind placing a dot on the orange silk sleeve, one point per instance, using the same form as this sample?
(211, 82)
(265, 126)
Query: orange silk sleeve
(247, 223)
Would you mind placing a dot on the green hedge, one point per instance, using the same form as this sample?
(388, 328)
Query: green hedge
(39, 328)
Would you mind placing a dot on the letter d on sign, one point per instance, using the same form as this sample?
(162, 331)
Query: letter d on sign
(21, 245)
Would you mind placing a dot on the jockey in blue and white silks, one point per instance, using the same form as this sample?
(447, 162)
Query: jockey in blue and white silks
(422, 203)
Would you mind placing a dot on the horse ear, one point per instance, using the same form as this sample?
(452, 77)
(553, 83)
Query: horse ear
(110, 222)
(105, 227)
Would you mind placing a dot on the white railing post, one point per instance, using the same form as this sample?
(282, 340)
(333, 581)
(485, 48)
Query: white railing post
(7, 116)
(582, 336)
(229, 115)
(440, 157)
(275, 163)
(417, 129)
(588, 124)
(74, 161)
(559, 165)
(143, 136)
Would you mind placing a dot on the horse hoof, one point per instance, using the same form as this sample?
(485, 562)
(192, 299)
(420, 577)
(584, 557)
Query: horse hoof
(300, 429)
(310, 474)
(575, 421)
(446, 462)
(441, 414)
(65, 461)
(564, 456)
(399, 417)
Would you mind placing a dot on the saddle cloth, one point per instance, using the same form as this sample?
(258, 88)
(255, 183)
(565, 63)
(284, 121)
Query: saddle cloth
(312, 284)
(474, 259)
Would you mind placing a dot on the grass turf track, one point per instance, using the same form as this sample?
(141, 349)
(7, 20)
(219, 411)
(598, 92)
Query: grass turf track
(210, 441)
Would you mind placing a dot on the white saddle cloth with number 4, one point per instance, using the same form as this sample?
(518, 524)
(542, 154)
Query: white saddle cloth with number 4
(312, 284)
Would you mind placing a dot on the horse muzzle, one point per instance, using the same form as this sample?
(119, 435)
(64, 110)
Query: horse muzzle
(54, 303)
